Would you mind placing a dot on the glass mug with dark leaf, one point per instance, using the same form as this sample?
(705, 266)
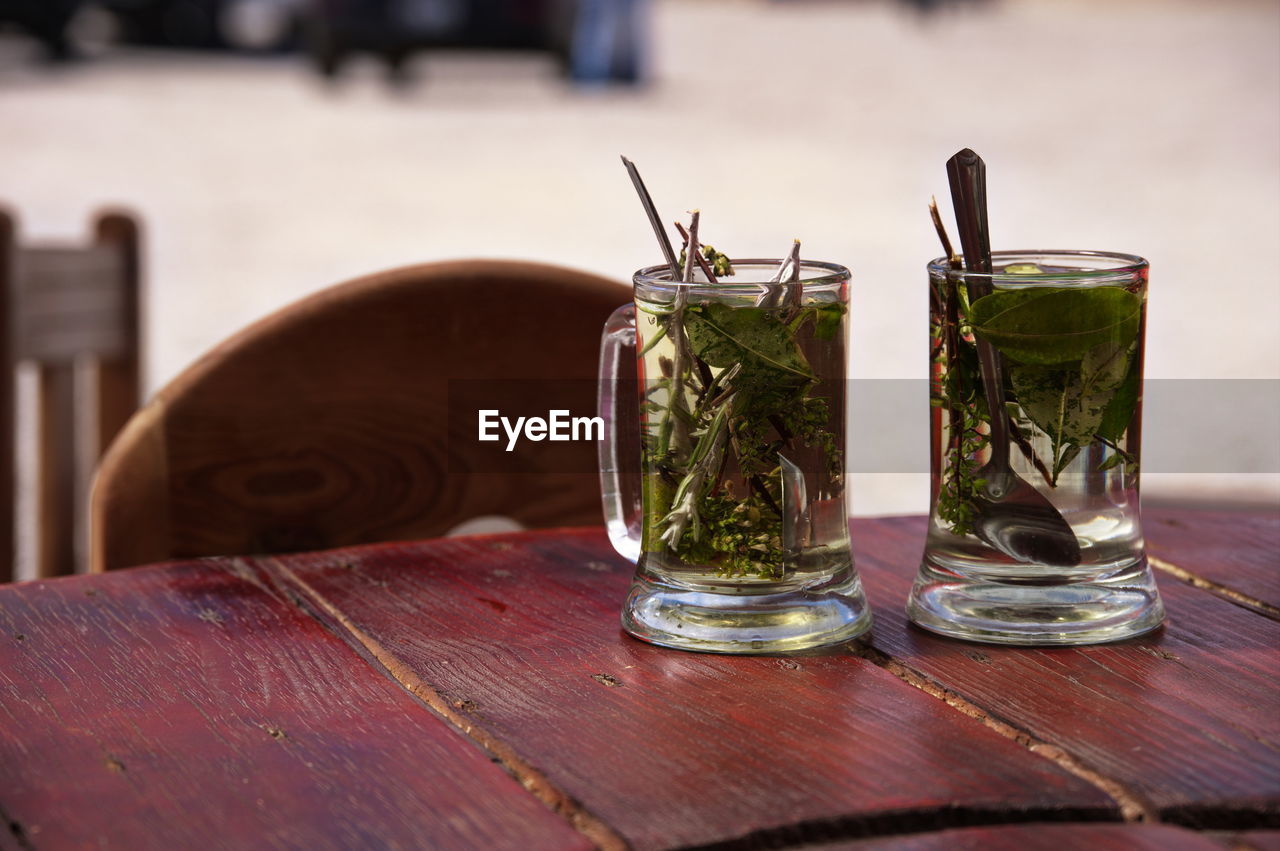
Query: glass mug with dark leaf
(738, 526)
(1036, 356)
(1034, 535)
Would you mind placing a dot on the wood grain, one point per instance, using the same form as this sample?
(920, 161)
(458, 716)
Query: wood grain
(196, 706)
(1237, 550)
(71, 302)
(1044, 837)
(162, 707)
(329, 422)
(1186, 720)
(1253, 840)
(519, 636)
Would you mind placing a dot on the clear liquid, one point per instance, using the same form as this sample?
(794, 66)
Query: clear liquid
(779, 552)
(1095, 490)
(1100, 506)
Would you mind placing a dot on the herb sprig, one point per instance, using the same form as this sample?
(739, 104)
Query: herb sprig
(733, 399)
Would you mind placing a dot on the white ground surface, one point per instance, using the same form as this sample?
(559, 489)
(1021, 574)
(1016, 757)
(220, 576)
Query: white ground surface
(1150, 126)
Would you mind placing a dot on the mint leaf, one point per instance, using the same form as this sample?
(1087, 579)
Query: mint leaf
(1071, 402)
(1051, 399)
(723, 336)
(1120, 410)
(1051, 325)
(826, 322)
(982, 311)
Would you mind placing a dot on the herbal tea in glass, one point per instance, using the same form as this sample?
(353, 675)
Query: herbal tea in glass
(1065, 332)
(739, 529)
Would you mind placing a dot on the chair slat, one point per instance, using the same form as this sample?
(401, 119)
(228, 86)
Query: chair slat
(70, 302)
(68, 270)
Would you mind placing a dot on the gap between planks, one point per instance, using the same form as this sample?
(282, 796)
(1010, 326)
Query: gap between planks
(1229, 594)
(1133, 806)
(595, 829)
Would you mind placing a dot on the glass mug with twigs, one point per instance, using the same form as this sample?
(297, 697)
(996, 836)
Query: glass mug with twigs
(1036, 357)
(738, 528)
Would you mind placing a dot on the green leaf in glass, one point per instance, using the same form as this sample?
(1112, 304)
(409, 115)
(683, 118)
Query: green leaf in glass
(1050, 326)
(1120, 410)
(827, 321)
(723, 336)
(1070, 402)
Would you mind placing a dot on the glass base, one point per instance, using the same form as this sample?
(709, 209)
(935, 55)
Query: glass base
(795, 619)
(1111, 608)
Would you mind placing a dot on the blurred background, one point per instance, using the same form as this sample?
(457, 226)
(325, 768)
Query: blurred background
(273, 147)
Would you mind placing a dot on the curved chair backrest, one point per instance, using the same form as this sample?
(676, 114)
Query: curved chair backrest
(328, 423)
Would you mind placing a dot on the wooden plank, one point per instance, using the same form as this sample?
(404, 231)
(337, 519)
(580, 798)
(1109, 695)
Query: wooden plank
(89, 299)
(519, 636)
(71, 301)
(1254, 840)
(1043, 837)
(73, 270)
(56, 551)
(194, 705)
(1237, 550)
(1186, 720)
(61, 339)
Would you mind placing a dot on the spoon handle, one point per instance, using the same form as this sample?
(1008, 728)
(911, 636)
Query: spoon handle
(968, 176)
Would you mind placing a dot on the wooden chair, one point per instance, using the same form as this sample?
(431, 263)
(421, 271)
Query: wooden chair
(329, 423)
(69, 310)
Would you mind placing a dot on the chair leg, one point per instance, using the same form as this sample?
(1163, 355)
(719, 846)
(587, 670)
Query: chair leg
(57, 471)
(8, 247)
(119, 380)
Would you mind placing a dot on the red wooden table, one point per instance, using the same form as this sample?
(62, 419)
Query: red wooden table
(478, 693)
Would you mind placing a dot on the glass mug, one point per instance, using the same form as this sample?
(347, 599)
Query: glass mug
(736, 520)
(1034, 532)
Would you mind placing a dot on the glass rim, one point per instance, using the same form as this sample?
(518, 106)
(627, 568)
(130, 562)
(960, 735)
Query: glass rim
(813, 274)
(1119, 266)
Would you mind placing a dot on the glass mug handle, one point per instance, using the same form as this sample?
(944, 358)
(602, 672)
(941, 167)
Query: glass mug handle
(620, 494)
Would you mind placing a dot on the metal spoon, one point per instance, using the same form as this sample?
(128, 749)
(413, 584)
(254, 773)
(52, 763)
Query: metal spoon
(1013, 517)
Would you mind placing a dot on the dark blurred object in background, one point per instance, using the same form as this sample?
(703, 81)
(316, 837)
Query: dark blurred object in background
(47, 20)
(608, 40)
(395, 29)
(255, 25)
(593, 40)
